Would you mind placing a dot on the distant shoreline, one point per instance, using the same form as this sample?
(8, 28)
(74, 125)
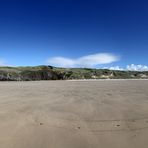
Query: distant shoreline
(76, 80)
(103, 79)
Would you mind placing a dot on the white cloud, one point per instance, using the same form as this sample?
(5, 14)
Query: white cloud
(2, 62)
(134, 67)
(61, 62)
(131, 67)
(116, 68)
(85, 61)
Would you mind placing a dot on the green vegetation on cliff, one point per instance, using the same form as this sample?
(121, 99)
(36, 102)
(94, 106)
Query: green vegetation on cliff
(54, 73)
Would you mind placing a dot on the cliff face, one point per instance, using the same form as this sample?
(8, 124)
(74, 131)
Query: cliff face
(53, 73)
(28, 74)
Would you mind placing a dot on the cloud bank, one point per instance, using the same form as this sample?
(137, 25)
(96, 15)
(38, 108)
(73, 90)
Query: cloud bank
(131, 67)
(84, 61)
(134, 67)
(116, 68)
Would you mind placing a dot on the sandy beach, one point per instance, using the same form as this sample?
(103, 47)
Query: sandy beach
(74, 114)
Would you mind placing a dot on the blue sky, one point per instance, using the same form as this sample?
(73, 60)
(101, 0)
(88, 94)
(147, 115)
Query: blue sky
(74, 33)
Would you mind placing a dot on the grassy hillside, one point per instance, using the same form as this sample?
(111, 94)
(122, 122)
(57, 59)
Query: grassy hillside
(54, 73)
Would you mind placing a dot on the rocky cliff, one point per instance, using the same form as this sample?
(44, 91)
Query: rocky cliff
(54, 73)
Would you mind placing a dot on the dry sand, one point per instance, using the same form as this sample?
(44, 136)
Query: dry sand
(74, 114)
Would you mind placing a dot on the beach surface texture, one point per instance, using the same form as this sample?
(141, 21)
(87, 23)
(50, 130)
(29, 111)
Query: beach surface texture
(74, 114)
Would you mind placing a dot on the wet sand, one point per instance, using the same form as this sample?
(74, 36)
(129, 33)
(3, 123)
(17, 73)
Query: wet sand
(74, 114)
